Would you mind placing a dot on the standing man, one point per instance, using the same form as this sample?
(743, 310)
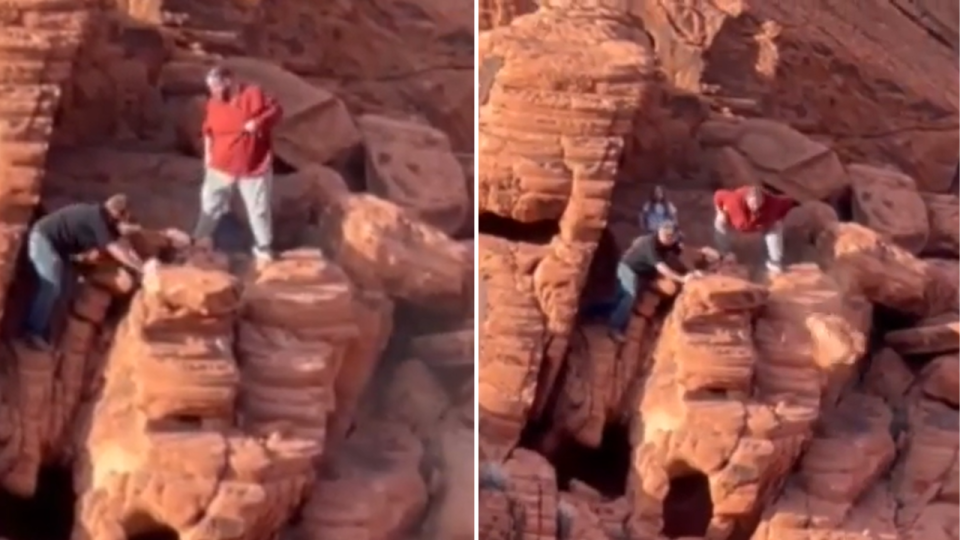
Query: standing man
(62, 234)
(237, 153)
(749, 210)
(649, 256)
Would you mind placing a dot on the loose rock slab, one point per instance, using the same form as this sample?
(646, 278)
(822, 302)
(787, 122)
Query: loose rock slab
(887, 201)
(939, 334)
(316, 127)
(413, 165)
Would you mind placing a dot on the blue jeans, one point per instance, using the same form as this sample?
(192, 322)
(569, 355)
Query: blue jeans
(628, 283)
(49, 268)
(215, 197)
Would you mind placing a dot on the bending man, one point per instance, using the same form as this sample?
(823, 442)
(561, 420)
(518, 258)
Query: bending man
(750, 210)
(238, 155)
(62, 234)
(649, 256)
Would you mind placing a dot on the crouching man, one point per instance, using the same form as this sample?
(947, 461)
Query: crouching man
(647, 258)
(750, 210)
(61, 235)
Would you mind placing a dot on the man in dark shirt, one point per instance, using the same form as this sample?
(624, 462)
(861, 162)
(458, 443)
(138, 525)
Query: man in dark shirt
(62, 234)
(649, 256)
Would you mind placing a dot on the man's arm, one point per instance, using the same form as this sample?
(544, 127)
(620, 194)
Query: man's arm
(207, 132)
(720, 201)
(780, 206)
(125, 256)
(206, 149)
(121, 252)
(269, 112)
(664, 270)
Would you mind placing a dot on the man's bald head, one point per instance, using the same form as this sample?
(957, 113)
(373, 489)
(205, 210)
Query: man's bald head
(118, 208)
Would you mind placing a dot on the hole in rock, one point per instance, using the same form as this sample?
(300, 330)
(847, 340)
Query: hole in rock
(140, 526)
(605, 469)
(535, 232)
(163, 533)
(48, 515)
(601, 283)
(687, 508)
(886, 320)
(353, 169)
(282, 167)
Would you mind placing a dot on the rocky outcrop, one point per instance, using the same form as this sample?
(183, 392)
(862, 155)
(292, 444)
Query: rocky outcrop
(760, 151)
(740, 405)
(414, 166)
(159, 424)
(37, 53)
(943, 212)
(215, 398)
(549, 158)
(141, 63)
(888, 202)
(863, 83)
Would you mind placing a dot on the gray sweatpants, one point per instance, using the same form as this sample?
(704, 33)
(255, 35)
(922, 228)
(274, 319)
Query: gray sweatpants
(215, 197)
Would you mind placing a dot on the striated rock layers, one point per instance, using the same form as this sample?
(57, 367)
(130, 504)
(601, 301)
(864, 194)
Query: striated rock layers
(875, 80)
(564, 91)
(820, 403)
(214, 399)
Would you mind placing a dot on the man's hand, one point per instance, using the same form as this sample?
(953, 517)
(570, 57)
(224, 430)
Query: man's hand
(177, 238)
(128, 228)
(250, 126)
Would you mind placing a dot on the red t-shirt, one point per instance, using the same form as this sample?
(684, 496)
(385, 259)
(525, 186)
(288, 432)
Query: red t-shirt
(733, 204)
(232, 150)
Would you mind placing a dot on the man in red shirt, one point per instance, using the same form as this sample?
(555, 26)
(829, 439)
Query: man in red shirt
(238, 155)
(750, 210)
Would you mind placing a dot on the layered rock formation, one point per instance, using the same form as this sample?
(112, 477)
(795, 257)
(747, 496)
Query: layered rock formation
(819, 403)
(876, 81)
(551, 136)
(213, 399)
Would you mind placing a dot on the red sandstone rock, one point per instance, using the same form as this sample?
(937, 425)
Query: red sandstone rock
(203, 413)
(768, 58)
(943, 280)
(511, 341)
(940, 334)
(887, 201)
(763, 151)
(748, 416)
(371, 487)
(413, 165)
(455, 487)
(887, 275)
(382, 247)
(943, 212)
(415, 398)
(941, 378)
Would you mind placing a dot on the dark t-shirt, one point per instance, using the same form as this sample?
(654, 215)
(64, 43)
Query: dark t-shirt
(77, 228)
(646, 252)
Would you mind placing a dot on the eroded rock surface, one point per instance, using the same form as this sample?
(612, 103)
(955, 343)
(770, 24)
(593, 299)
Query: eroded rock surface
(817, 404)
(551, 134)
(212, 398)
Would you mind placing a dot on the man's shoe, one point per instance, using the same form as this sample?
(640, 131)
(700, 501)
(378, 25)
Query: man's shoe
(774, 269)
(261, 259)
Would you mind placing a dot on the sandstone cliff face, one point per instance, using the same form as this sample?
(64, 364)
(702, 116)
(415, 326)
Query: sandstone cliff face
(875, 81)
(814, 404)
(213, 400)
